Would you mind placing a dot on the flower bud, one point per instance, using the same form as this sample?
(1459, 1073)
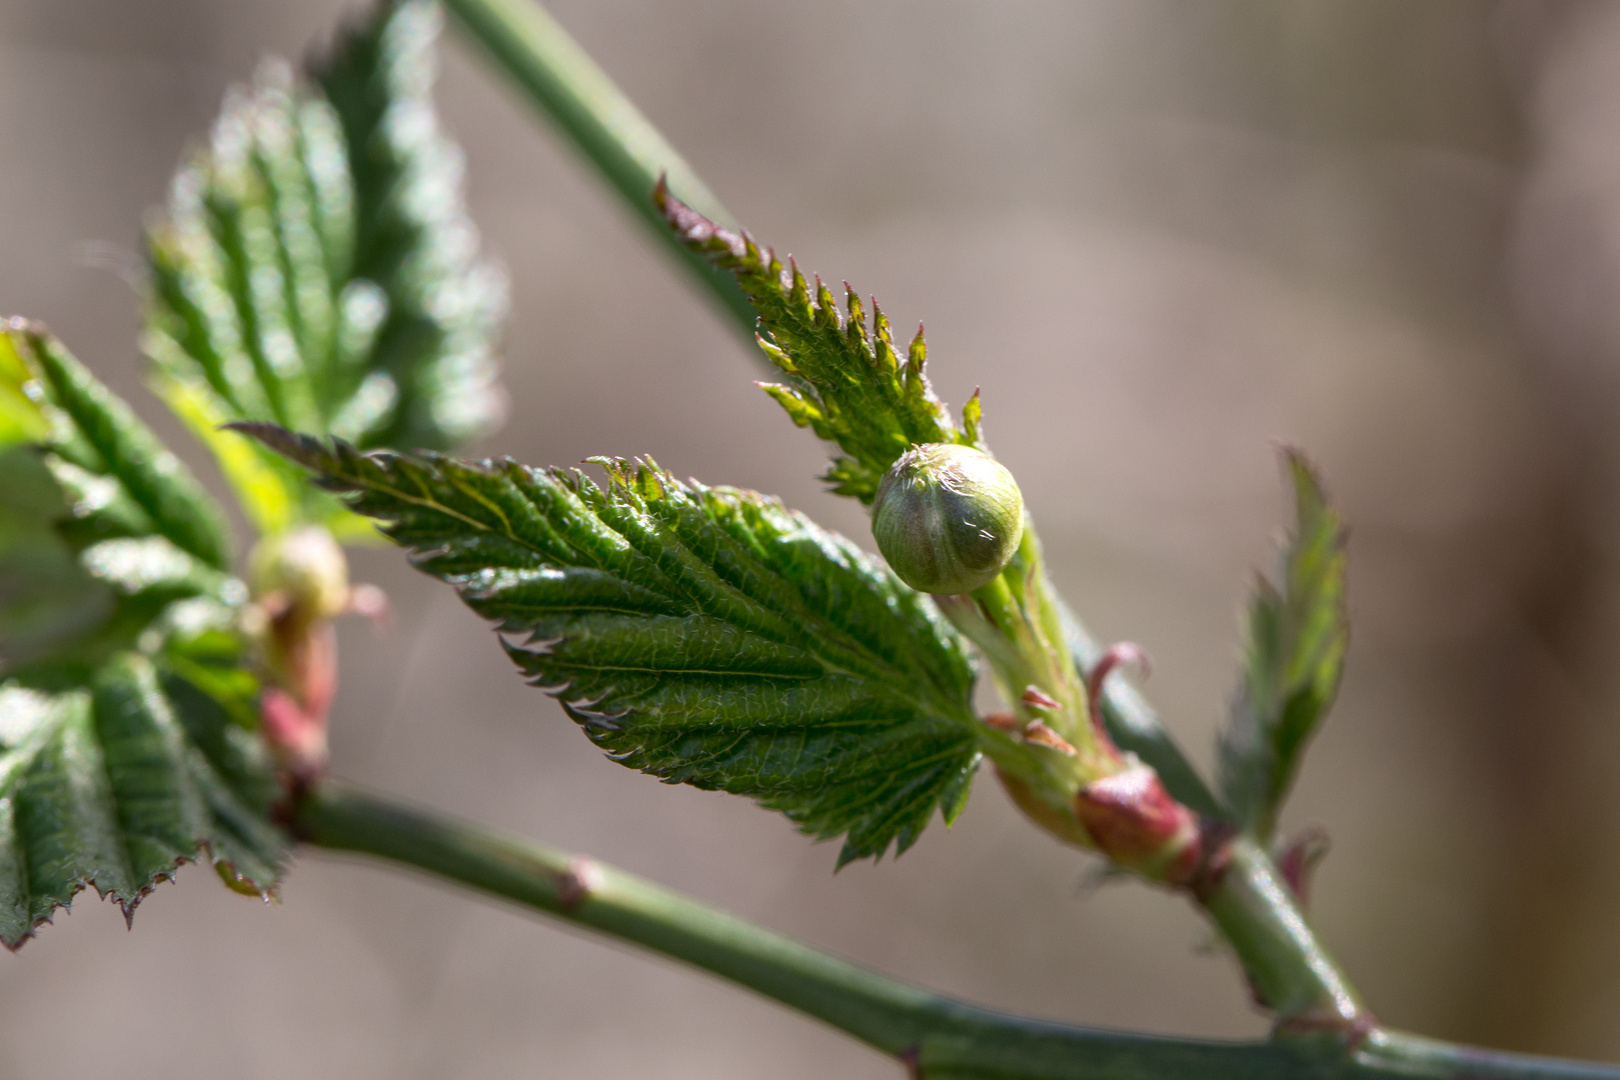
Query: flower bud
(947, 517)
(306, 568)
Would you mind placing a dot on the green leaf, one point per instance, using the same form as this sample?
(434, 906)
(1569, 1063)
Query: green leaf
(317, 268)
(708, 636)
(844, 380)
(126, 706)
(46, 597)
(1298, 632)
(114, 780)
(21, 419)
(121, 480)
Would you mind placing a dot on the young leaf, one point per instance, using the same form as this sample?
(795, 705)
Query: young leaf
(317, 268)
(121, 478)
(125, 706)
(708, 636)
(1298, 633)
(844, 381)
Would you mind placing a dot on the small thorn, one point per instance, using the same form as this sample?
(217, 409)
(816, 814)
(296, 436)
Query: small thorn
(1036, 698)
(1040, 735)
(1124, 652)
(1300, 858)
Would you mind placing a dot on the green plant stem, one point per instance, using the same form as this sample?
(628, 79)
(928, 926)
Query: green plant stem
(563, 82)
(1393, 1053)
(941, 1038)
(1287, 967)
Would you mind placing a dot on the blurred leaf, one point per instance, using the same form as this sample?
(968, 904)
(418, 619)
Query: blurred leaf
(267, 493)
(1298, 633)
(126, 709)
(317, 268)
(46, 596)
(119, 479)
(708, 636)
(21, 420)
(843, 381)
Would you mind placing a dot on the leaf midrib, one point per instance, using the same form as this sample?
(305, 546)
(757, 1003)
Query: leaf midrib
(850, 649)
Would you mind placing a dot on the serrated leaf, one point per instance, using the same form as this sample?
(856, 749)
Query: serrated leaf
(115, 781)
(126, 708)
(844, 380)
(316, 267)
(120, 479)
(708, 636)
(1298, 632)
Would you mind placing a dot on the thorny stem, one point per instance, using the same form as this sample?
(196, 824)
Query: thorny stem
(934, 1035)
(564, 83)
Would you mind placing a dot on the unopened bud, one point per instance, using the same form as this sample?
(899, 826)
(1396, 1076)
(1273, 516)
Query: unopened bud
(305, 569)
(947, 518)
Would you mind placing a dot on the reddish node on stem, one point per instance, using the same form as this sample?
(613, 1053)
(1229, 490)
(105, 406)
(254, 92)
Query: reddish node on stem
(1354, 1030)
(575, 887)
(1135, 822)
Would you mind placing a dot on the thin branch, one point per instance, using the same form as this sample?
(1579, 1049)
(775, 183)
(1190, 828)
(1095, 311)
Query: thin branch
(935, 1035)
(561, 80)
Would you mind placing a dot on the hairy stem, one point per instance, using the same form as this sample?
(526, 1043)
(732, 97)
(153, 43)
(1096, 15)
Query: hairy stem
(936, 1036)
(563, 82)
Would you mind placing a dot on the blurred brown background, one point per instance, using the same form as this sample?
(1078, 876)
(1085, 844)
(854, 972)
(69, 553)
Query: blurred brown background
(1161, 236)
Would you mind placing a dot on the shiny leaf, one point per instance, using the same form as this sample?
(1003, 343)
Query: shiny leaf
(708, 636)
